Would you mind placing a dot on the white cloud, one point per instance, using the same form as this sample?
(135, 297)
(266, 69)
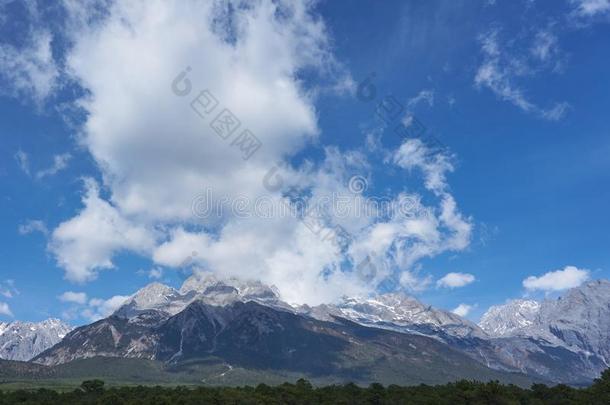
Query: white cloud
(60, 162)
(5, 309)
(424, 96)
(501, 68)
(558, 280)
(156, 154)
(30, 70)
(101, 308)
(590, 8)
(412, 281)
(434, 165)
(7, 288)
(414, 154)
(291, 256)
(455, 280)
(33, 225)
(155, 273)
(545, 45)
(75, 297)
(462, 309)
(92, 309)
(87, 242)
(162, 134)
(557, 112)
(23, 161)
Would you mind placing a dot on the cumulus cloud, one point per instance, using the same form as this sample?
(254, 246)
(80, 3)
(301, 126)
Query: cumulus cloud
(455, 280)
(151, 132)
(87, 242)
(33, 225)
(5, 309)
(90, 310)
(558, 280)
(75, 297)
(158, 157)
(101, 308)
(462, 309)
(292, 255)
(174, 142)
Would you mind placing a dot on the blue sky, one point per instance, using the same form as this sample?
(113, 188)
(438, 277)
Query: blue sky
(98, 155)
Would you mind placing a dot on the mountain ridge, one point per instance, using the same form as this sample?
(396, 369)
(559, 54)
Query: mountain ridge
(252, 336)
(550, 340)
(24, 340)
(578, 320)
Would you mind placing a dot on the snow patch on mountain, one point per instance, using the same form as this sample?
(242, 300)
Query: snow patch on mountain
(397, 311)
(203, 287)
(24, 340)
(578, 321)
(509, 319)
(391, 311)
(513, 336)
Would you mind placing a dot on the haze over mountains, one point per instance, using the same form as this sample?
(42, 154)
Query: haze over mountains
(246, 326)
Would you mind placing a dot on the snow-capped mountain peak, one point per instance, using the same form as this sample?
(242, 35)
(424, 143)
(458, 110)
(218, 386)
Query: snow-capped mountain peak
(153, 295)
(24, 340)
(578, 321)
(391, 310)
(511, 318)
(209, 284)
(577, 324)
(204, 287)
(397, 311)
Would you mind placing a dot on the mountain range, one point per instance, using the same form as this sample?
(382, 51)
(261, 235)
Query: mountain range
(240, 328)
(24, 340)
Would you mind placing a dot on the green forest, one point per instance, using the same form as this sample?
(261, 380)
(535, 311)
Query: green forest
(302, 392)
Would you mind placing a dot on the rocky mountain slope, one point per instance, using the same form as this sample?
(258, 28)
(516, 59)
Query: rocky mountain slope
(578, 321)
(24, 340)
(506, 320)
(397, 311)
(246, 324)
(391, 311)
(255, 337)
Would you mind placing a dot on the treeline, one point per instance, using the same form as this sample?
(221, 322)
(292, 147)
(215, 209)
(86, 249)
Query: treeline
(462, 392)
